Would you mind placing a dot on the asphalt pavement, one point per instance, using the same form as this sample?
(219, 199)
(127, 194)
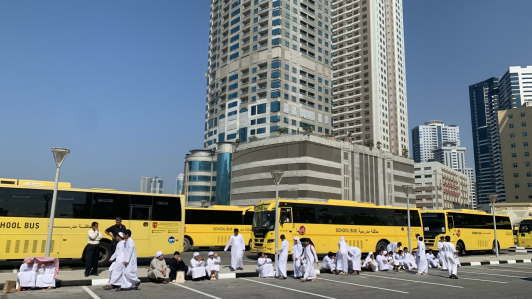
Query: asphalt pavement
(490, 281)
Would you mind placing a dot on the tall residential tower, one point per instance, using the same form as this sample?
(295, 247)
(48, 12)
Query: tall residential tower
(269, 67)
(369, 72)
(426, 138)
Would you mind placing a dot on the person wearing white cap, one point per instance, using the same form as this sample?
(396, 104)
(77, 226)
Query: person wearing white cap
(297, 251)
(212, 268)
(197, 266)
(157, 269)
(117, 267)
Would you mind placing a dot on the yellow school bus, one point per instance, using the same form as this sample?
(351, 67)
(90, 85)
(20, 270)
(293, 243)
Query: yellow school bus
(363, 225)
(468, 229)
(212, 227)
(524, 236)
(156, 221)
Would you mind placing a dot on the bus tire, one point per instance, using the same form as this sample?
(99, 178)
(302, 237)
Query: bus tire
(104, 255)
(381, 245)
(460, 247)
(187, 244)
(249, 245)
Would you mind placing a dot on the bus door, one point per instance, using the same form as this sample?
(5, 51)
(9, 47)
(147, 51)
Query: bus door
(286, 225)
(450, 227)
(140, 226)
(525, 235)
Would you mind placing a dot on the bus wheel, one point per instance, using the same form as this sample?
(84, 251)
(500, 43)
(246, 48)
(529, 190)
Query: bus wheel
(249, 245)
(187, 244)
(104, 254)
(381, 246)
(460, 247)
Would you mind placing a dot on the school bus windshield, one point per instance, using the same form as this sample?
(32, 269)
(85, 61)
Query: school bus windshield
(433, 224)
(264, 220)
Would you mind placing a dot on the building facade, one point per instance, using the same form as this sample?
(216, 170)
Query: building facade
(431, 135)
(515, 87)
(516, 144)
(451, 155)
(180, 180)
(369, 101)
(157, 185)
(145, 184)
(269, 67)
(200, 177)
(470, 172)
(484, 104)
(438, 187)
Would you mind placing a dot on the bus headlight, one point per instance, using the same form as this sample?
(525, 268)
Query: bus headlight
(271, 241)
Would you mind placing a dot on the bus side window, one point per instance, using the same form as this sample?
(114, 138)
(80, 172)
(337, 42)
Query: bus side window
(450, 222)
(286, 215)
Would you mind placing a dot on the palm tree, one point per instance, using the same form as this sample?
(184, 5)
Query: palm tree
(349, 137)
(379, 145)
(308, 130)
(238, 141)
(405, 152)
(253, 138)
(281, 131)
(369, 143)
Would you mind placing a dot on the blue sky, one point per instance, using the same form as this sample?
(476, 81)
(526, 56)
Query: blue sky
(121, 83)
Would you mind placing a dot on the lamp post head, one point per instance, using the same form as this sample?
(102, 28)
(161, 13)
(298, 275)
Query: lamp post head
(493, 198)
(408, 188)
(59, 155)
(277, 175)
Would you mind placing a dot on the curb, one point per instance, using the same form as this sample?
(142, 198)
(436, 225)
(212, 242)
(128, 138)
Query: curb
(101, 282)
(496, 262)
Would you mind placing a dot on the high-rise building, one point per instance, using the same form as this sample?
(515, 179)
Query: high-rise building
(145, 184)
(451, 155)
(470, 172)
(180, 180)
(269, 67)
(157, 185)
(484, 103)
(514, 126)
(428, 137)
(515, 87)
(369, 101)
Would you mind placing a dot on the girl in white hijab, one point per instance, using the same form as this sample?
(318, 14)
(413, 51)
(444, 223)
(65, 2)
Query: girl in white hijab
(297, 251)
(342, 257)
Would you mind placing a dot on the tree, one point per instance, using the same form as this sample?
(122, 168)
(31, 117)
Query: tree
(253, 138)
(238, 141)
(281, 131)
(379, 145)
(349, 137)
(308, 130)
(405, 152)
(368, 143)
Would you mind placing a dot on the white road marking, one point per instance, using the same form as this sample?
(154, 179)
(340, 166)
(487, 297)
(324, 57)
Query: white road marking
(90, 292)
(416, 281)
(365, 286)
(476, 264)
(511, 261)
(510, 270)
(276, 286)
(494, 262)
(491, 274)
(191, 289)
(461, 277)
(527, 261)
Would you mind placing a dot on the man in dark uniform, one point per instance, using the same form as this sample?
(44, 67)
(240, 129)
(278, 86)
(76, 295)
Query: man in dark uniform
(113, 232)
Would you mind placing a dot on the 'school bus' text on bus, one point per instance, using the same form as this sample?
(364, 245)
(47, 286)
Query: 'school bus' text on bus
(212, 227)
(363, 225)
(468, 229)
(156, 221)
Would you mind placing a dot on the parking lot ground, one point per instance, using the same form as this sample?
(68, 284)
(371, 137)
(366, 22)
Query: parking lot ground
(490, 281)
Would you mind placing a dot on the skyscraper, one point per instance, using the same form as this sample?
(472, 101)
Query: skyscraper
(451, 155)
(515, 87)
(269, 67)
(484, 103)
(145, 184)
(369, 99)
(426, 138)
(179, 184)
(157, 185)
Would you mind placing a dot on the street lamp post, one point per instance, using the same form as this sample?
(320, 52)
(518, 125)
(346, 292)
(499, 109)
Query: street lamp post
(407, 189)
(493, 199)
(59, 156)
(277, 175)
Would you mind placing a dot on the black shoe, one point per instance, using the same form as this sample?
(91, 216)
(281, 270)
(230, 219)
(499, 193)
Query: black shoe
(451, 277)
(86, 275)
(95, 274)
(455, 277)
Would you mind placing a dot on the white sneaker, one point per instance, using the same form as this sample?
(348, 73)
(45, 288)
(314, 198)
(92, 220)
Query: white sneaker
(173, 280)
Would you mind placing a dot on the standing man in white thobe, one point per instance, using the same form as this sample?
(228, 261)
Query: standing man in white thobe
(342, 257)
(441, 256)
(309, 258)
(354, 259)
(422, 264)
(237, 250)
(129, 276)
(117, 267)
(283, 258)
(26, 274)
(449, 250)
(297, 252)
(392, 247)
(46, 277)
